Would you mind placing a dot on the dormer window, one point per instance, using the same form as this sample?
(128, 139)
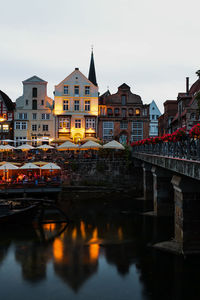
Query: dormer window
(66, 90)
(34, 92)
(123, 98)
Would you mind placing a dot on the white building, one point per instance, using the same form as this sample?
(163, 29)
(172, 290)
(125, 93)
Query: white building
(76, 105)
(34, 120)
(154, 114)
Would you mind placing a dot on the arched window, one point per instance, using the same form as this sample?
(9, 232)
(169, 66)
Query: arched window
(123, 99)
(34, 92)
(34, 104)
(116, 111)
(130, 111)
(109, 111)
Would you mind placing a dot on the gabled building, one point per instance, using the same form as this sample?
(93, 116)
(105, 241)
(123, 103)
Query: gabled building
(154, 114)
(76, 105)
(7, 108)
(165, 120)
(34, 120)
(123, 116)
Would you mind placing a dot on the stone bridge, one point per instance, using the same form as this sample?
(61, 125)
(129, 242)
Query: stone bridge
(172, 185)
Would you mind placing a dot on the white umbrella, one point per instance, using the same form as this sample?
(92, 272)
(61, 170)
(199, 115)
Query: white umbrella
(114, 145)
(25, 147)
(50, 166)
(90, 145)
(8, 166)
(45, 147)
(8, 141)
(29, 166)
(68, 146)
(8, 147)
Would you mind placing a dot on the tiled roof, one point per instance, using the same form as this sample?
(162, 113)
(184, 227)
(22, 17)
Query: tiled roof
(8, 102)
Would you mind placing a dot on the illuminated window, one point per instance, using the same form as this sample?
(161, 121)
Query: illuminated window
(5, 128)
(65, 105)
(76, 105)
(87, 105)
(87, 90)
(64, 123)
(78, 123)
(90, 123)
(137, 112)
(66, 90)
(76, 90)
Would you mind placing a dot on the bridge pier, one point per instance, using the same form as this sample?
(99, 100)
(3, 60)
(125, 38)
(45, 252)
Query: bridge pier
(147, 182)
(163, 201)
(187, 213)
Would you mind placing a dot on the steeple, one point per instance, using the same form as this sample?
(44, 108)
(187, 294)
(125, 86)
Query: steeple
(92, 73)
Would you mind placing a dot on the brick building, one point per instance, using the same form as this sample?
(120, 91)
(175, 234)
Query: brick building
(165, 120)
(6, 117)
(122, 116)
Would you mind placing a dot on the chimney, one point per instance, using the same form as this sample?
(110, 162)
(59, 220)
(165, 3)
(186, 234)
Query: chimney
(187, 85)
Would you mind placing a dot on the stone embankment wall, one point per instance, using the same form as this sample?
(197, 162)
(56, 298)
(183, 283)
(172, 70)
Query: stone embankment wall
(99, 172)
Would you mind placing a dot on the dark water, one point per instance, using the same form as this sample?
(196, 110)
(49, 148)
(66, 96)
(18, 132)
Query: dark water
(104, 254)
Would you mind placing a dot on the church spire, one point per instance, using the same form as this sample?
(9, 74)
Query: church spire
(92, 73)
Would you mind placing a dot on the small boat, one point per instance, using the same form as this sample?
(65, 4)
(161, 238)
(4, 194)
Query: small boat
(20, 213)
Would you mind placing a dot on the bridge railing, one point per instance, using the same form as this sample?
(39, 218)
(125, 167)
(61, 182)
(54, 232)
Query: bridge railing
(189, 148)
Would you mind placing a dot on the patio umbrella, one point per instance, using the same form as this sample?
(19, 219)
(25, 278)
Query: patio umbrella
(90, 145)
(25, 147)
(40, 163)
(8, 141)
(6, 167)
(8, 148)
(67, 146)
(29, 166)
(114, 145)
(50, 166)
(90, 138)
(45, 147)
(61, 140)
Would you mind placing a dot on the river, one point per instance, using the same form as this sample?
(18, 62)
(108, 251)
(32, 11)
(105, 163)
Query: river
(105, 252)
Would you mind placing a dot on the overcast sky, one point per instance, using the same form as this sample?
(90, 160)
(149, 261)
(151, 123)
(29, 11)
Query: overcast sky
(152, 45)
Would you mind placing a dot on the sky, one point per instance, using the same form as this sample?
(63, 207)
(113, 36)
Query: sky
(151, 45)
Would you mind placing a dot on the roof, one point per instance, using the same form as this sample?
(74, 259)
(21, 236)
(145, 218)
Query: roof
(92, 73)
(34, 79)
(195, 87)
(8, 102)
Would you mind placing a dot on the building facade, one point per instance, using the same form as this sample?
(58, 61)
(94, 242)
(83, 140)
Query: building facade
(123, 116)
(154, 114)
(34, 120)
(76, 105)
(7, 108)
(165, 120)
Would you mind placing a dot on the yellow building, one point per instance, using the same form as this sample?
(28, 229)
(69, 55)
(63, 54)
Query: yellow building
(76, 105)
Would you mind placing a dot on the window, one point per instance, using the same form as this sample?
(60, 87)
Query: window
(76, 105)
(153, 117)
(87, 105)
(22, 116)
(5, 128)
(19, 140)
(109, 111)
(34, 92)
(26, 101)
(123, 125)
(24, 125)
(34, 116)
(123, 100)
(123, 112)
(137, 131)
(90, 123)
(42, 102)
(157, 116)
(145, 112)
(65, 105)
(34, 140)
(116, 111)
(21, 125)
(102, 111)
(45, 127)
(64, 123)
(76, 90)
(66, 90)
(34, 127)
(34, 104)
(192, 116)
(77, 123)
(87, 90)
(137, 112)
(45, 116)
(108, 130)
